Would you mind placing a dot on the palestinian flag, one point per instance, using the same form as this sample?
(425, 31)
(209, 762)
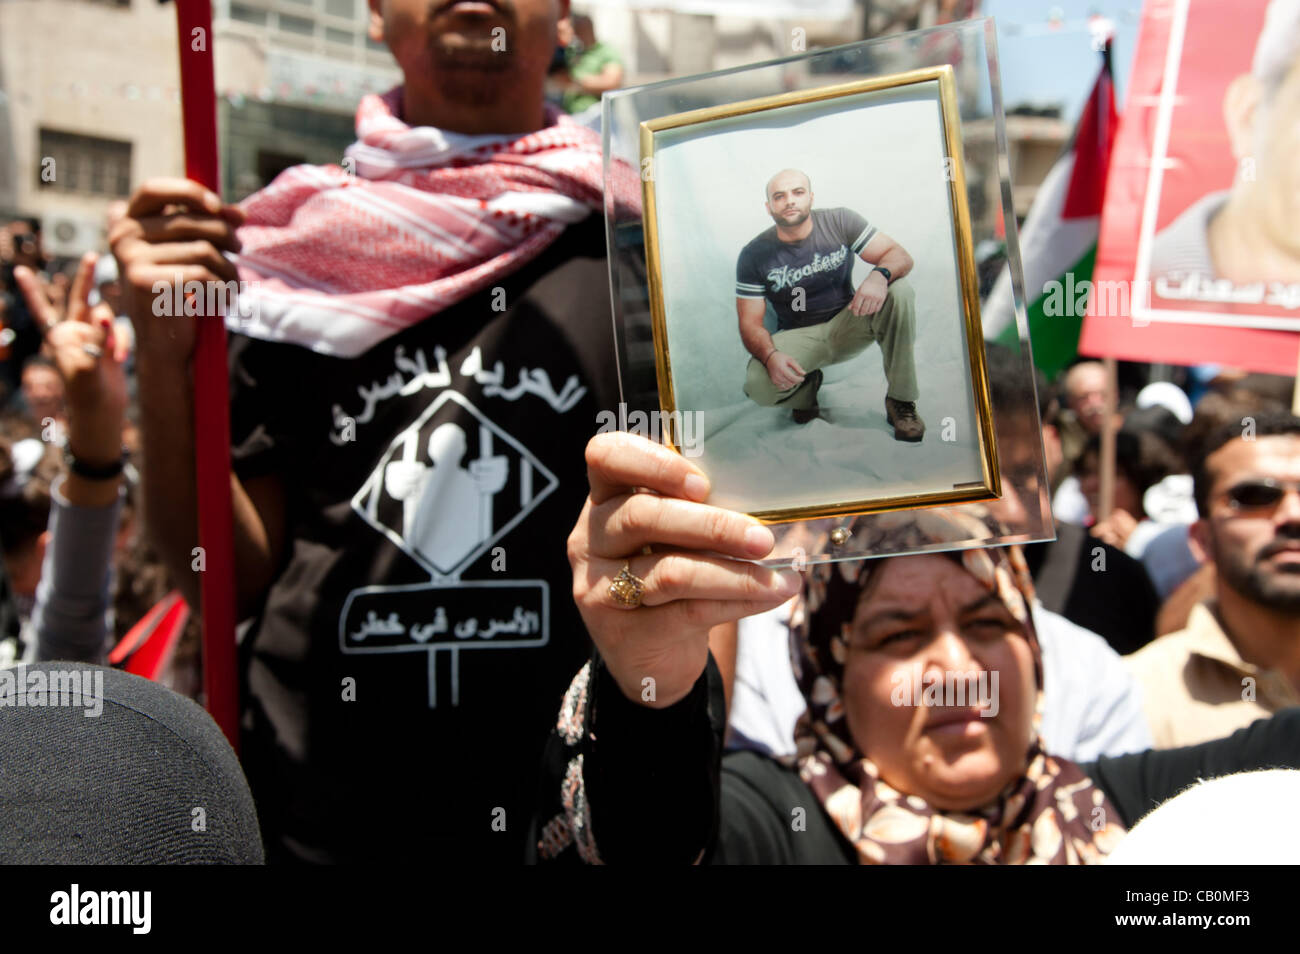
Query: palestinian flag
(1058, 241)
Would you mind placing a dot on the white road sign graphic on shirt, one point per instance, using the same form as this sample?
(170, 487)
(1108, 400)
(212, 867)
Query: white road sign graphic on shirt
(444, 493)
(447, 488)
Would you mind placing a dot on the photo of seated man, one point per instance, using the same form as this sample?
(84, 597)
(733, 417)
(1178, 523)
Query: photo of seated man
(803, 266)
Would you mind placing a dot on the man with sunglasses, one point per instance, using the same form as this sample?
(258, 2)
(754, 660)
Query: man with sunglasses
(1238, 659)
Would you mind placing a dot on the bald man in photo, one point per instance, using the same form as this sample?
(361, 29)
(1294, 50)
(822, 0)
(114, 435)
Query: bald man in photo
(803, 265)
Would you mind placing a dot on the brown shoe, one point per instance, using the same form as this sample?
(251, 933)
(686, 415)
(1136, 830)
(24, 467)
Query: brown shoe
(804, 415)
(902, 415)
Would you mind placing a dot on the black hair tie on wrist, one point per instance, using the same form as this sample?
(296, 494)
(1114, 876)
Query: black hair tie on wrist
(95, 471)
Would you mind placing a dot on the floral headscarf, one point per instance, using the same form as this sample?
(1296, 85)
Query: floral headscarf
(1052, 814)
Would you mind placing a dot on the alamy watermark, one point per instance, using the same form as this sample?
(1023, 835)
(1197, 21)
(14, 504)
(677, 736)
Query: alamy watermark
(949, 689)
(21, 687)
(196, 299)
(684, 428)
(1108, 299)
(131, 909)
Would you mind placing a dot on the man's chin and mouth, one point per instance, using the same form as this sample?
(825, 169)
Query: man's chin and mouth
(1273, 581)
(470, 55)
(467, 34)
(1280, 562)
(472, 52)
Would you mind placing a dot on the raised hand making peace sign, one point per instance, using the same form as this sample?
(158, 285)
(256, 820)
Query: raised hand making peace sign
(90, 356)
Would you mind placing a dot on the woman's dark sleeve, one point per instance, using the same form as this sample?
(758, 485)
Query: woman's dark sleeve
(1137, 783)
(770, 817)
(626, 783)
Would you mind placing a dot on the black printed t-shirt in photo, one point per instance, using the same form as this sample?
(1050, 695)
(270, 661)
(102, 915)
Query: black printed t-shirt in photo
(400, 680)
(821, 265)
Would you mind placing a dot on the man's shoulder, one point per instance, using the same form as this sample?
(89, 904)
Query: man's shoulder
(837, 214)
(1162, 658)
(759, 243)
(1160, 670)
(843, 224)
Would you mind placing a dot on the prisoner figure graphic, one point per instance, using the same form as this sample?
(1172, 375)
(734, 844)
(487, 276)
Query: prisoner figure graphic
(447, 506)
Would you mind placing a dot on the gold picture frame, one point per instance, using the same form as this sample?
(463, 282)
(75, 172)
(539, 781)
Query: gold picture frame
(986, 485)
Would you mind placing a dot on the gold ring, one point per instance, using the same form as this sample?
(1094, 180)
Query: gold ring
(627, 588)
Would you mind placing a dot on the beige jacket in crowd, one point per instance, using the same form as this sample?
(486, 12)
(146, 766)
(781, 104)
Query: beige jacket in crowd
(1196, 687)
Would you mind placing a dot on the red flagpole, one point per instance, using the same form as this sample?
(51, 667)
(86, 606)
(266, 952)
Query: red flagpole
(211, 399)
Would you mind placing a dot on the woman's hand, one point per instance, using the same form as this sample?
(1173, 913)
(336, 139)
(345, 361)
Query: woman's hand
(646, 497)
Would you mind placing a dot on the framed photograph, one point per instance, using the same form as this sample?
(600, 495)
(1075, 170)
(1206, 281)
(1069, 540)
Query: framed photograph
(814, 299)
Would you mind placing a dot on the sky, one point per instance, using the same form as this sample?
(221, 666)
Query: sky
(1042, 65)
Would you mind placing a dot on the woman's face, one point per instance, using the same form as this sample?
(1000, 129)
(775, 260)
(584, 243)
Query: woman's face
(924, 629)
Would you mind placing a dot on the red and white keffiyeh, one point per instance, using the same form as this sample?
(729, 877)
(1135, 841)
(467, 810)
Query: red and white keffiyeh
(338, 259)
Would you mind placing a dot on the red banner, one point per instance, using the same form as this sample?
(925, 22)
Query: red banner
(1198, 259)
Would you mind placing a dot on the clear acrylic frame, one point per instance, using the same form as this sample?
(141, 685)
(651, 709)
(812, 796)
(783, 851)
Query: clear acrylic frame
(968, 49)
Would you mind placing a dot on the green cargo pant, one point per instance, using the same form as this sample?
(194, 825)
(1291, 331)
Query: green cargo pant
(843, 337)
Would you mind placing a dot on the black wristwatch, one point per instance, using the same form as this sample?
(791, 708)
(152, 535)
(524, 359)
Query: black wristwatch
(889, 276)
(94, 471)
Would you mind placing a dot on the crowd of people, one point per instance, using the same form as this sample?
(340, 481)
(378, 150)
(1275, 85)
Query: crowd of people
(399, 505)
(60, 399)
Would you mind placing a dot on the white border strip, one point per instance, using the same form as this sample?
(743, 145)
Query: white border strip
(1156, 173)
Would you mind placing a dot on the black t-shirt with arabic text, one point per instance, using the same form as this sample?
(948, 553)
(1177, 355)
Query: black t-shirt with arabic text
(400, 680)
